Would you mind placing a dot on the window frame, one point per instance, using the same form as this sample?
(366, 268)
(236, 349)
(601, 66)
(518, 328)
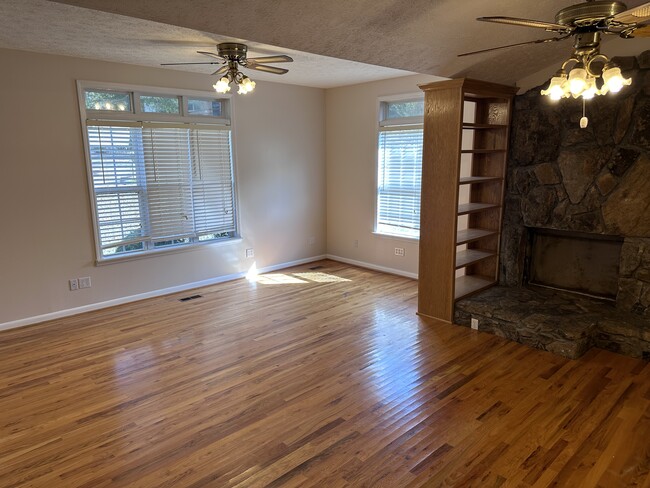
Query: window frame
(136, 115)
(384, 124)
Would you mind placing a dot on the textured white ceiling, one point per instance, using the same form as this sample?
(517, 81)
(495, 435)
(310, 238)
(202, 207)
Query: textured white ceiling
(48, 27)
(422, 36)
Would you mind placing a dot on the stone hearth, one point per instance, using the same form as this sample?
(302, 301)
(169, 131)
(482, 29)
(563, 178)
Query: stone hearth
(590, 181)
(556, 321)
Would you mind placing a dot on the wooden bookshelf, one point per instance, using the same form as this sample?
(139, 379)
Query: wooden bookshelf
(468, 180)
(466, 130)
(468, 235)
(472, 207)
(468, 284)
(471, 256)
(482, 151)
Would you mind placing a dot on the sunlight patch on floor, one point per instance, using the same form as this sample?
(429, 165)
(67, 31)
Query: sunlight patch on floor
(320, 277)
(277, 279)
(291, 278)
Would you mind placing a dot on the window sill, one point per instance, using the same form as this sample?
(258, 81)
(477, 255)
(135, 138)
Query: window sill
(395, 236)
(170, 250)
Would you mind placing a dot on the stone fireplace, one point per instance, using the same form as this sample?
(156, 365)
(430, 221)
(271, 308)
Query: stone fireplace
(576, 229)
(576, 262)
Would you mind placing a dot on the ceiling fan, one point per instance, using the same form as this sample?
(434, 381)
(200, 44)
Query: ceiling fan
(586, 21)
(231, 56)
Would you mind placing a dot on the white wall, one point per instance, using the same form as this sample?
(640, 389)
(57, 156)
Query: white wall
(46, 229)
(351, 134)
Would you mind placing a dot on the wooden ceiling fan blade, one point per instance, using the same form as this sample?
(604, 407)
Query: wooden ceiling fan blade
(538, 41)
(268, 69)
(271, 59)
(549, 26)
(221, 71)
(643, 31)
(634, 15)
(212, 55)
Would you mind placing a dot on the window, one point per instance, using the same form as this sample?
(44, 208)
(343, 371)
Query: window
(108, 100)
(399, 175)
(160, 104)
(198, 106)
(159, 179)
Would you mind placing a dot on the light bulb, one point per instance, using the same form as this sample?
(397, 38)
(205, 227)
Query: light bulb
(556, 93)
(591, 90)
(98, 106)
(577, 81)
(555, 88)
(246, 85)
(614, 80)
(583, 122)
(109, 106)
(121, 106)
(222, 86)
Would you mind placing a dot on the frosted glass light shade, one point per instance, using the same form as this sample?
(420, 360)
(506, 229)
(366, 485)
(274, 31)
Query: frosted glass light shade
(222, 86)
(556, 88)
(577, 81)
(614, 80)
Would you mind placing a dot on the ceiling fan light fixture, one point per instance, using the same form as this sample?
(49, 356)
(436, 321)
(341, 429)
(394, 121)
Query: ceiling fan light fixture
(577, 80)
(232, 55)
(586, 22)
(246, 85)
(613, 79)
(591, 90)
(557, 88)
(223, 85)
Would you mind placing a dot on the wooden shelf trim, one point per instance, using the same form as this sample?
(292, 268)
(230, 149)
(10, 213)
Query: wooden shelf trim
(447, 152)
(466, 208)
(482, 151)
(468, 284)
(471, 256)
(472, 125)
(468, 235)
(468, 180)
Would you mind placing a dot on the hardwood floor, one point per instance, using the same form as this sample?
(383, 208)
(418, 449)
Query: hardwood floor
(309, 378)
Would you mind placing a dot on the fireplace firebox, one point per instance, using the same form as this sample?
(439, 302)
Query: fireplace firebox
(576, 262)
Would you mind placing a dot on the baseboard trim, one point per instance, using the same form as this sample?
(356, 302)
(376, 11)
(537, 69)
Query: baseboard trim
(374, 267)
(150, 294)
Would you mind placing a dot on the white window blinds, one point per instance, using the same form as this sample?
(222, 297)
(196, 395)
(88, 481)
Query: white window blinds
(169, 183)
(116, 156)
(156, 184)
(213, 188)
(399, 181)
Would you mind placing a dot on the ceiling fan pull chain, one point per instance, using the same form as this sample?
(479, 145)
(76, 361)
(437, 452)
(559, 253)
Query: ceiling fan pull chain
(584, 121)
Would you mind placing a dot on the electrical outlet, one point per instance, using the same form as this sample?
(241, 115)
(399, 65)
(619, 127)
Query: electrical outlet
(74, 284)
(85, 282)
(474, 323)
(356, 243)
(312, 241)
(250, 253)
(399, 251)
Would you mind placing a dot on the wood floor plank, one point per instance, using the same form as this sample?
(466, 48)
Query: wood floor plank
(309, 377)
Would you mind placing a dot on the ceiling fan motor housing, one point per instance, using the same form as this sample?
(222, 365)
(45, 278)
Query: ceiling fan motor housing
(232, 50)
(589, 13)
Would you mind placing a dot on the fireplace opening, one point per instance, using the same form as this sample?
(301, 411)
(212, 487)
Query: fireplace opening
(577, 262)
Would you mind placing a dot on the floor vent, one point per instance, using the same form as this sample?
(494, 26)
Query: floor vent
(187, 299)
(316, 267)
